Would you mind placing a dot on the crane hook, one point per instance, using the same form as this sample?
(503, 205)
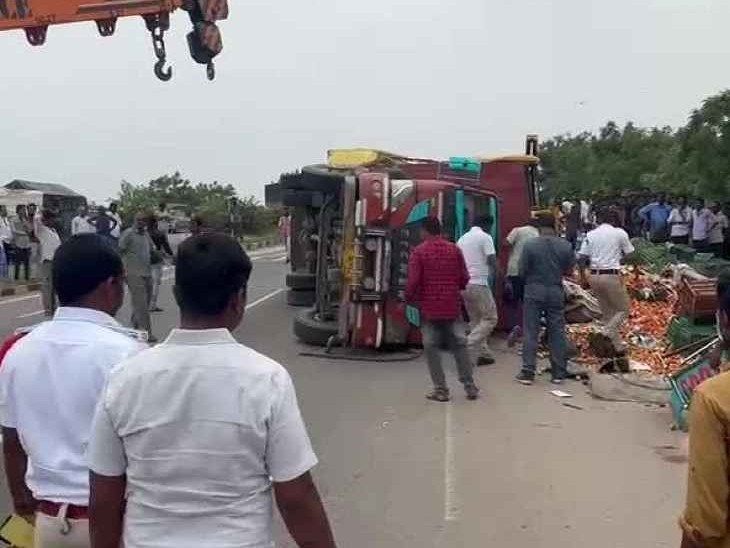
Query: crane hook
(210, 70)
(163, 75)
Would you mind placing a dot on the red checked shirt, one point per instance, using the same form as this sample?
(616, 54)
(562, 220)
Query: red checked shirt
(436, 276)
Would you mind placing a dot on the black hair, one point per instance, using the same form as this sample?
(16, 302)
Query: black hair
(81, 264)
(545, 220)
(210, 268)
(19, 208)
(432, 225)
(484, 221)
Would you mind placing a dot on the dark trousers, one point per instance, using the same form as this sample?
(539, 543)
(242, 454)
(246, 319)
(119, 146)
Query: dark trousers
(513, 297)
(550, 301)
(680, 240)
(22, 257)
(450, 334)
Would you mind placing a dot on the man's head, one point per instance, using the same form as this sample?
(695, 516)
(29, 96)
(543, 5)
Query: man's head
(661, 198)
(140, 222)
(431, 227)
(545, 223)
(152, 222)
(88, 272)
(484, 222)
(101, 210)
(48, 218)
(699, 203)
(723, 303)
(606, 215)
(83, 211)
(716, 207)
(113, 207)
(211, 273)
(32, 208)
(21, 210)
(162, 206)
(682, 201)
(3, 211)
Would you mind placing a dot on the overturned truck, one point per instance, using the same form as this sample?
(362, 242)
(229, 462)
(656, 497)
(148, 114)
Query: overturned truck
(355, 220)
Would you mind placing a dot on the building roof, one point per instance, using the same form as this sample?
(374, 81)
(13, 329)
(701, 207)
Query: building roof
(46, 188)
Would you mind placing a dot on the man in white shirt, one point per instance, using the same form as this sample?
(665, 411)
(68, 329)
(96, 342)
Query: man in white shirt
(6, 235)
(703, 222)
(48, 243)
(50, 383)
(480, 256)
(602, 252)
(191, 438)
(514, 285)
(680, 220)
(80, 224)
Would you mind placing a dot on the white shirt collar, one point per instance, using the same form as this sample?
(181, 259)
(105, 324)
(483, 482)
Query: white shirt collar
(200, 336)
(78, 313)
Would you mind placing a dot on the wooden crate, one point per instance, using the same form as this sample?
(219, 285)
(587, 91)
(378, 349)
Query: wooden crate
(697, 299)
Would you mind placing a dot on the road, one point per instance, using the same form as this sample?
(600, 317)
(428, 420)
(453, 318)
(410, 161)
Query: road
(515, 468)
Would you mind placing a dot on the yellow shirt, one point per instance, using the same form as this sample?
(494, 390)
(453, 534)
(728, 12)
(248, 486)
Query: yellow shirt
(706, 517)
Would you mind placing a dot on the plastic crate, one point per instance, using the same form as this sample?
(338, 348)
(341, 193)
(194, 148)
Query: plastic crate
(683, 331)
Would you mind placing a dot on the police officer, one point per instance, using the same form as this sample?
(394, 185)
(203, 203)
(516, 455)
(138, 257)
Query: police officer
(50, 382)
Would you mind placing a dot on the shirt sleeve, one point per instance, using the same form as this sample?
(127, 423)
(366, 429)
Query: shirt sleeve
(585, 247)
(705, 516)
(289, 452)
(7, 400)
(511, 237)
(489, 246)
(106, 449)
(626, 245)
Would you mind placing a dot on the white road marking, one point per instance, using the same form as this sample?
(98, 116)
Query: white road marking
(451, 505)
(264, 298)
(19, 299)
(31, 314)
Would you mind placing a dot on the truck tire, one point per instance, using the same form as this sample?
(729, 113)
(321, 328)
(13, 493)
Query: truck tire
(311, 331)
(307, 198)
(301, 280)
(301, 297)
(321, 178)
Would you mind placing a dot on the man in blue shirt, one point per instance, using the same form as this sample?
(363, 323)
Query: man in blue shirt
(655, 215)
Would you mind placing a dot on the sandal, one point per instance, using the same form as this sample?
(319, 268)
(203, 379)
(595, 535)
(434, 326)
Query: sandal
(438, 394)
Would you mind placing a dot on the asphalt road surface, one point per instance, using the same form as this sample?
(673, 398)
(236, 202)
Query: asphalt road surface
(515, 468)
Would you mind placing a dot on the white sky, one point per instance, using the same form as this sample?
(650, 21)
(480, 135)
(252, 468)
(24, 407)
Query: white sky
(419, 77)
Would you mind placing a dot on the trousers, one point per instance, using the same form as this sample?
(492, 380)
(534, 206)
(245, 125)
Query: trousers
(550, 301)
(156, 281)
(483, 318)
(611, 293)
(48, 293)
(450, 334)
(140, 291)
(49, 532)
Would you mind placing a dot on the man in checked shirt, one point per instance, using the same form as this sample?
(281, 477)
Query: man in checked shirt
(437, 275)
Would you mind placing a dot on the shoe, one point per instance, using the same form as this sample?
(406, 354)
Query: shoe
(438, 394)
(485, 360)
(514, 336)
(152, 340)
(557, 380)
(472, 391)
(525, 378)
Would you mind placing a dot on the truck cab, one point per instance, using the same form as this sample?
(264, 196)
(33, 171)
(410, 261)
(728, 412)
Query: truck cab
(356, 219)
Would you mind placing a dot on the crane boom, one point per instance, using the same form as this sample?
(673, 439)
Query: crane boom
(204, 41)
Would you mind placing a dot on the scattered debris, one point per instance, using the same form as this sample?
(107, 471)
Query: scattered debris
(561, 394)
(572, 406)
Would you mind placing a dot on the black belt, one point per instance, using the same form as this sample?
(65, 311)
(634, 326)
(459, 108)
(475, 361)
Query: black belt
(610, 272)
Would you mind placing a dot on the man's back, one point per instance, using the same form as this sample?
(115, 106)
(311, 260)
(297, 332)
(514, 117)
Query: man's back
(438, 269)
(49, 386)
(545, 259)
(202, 425)
(476, 246)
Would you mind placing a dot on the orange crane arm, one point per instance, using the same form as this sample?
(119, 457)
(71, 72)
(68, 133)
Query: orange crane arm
(204, 41)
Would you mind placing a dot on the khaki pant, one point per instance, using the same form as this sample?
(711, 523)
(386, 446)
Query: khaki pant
(48, 293)
(611, 293)
(483, 318)
(49, 532)
(140, 291)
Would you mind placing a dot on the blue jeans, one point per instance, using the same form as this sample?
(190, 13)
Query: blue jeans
(550, 301)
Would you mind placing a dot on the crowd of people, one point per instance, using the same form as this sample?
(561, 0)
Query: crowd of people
(679, 220)
(453, 286)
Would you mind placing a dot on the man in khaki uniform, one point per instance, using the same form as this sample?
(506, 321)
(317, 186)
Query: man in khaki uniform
(602, 252)
(135, 247)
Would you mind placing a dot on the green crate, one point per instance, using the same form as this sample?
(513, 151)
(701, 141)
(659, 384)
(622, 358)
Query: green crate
(683, 331)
